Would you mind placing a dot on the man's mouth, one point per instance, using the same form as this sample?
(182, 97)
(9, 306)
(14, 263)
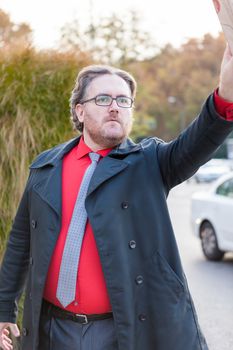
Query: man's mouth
(113, 120)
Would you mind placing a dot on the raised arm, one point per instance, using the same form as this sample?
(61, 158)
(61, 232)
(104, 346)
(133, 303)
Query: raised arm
(181, 158)
(226, 76)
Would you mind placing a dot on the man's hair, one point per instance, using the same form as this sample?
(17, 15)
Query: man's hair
(83, 80)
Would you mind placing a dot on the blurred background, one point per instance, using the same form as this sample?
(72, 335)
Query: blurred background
(173, 49)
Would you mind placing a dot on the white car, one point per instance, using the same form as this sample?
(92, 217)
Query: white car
(212, 217)
(213, 169)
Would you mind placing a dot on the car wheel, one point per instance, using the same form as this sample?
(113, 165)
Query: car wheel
(209, 242)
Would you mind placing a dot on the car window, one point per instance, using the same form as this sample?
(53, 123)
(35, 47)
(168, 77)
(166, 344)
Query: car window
(226, 189)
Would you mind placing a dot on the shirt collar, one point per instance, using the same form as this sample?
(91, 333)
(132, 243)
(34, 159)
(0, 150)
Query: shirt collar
(83, 149)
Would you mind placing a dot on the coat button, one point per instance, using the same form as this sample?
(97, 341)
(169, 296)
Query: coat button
(139, 279)
(25, 332)
(132, 244)
(31, 260)
(142, 317)
(125, 205)
(34, 223)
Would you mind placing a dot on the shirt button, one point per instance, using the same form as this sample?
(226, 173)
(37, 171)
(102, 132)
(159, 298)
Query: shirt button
(76, 303)
(132, 244)
(139, 279)
(142, 317)
(125, 205)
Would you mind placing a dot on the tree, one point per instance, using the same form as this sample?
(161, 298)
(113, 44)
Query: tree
(113, 40)
(173, 85)
(13, 36)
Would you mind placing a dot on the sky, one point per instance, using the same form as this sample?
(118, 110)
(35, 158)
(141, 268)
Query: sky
(168, 21)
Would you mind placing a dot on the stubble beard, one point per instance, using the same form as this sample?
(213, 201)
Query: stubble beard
(106, 139)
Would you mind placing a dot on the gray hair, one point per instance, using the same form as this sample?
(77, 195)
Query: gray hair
(83, 80)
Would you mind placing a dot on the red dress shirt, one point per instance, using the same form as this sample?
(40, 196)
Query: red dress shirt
(223, 107)
(91, 293)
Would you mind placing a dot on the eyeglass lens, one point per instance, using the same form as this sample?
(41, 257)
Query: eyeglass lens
(105, 100)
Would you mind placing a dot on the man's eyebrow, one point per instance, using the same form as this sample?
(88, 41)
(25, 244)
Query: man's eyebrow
(119, 95)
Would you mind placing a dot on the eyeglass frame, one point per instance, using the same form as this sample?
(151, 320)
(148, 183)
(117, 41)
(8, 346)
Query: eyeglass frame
(113, 99)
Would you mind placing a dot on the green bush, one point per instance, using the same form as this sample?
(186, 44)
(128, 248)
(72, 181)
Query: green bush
(34, 115)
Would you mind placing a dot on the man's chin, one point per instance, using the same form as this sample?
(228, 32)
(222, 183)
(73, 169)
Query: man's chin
(115, 132)
(113, 140)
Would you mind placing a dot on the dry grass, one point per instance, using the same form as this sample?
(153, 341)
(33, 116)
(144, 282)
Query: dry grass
(17, 139)
(34, 115)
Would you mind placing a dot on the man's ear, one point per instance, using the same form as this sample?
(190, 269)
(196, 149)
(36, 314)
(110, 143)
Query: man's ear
(79, 112)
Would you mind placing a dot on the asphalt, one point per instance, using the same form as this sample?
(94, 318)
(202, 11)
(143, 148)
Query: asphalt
(210, 283)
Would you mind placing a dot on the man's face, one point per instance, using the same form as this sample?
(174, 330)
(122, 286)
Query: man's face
(105, 126)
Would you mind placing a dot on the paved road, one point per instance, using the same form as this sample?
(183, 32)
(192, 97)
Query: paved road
(210, 283)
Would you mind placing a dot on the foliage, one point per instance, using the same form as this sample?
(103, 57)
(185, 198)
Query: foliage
(34, 115)
(174, 84)
(13, 36)
(111, 40)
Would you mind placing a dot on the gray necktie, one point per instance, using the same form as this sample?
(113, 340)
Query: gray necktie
(66, 288)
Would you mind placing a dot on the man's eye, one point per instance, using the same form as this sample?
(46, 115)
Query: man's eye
(103, 99)
(123, 100)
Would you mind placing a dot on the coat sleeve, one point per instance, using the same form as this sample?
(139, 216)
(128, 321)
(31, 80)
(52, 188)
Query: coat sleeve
(14, 266)
(181, 158)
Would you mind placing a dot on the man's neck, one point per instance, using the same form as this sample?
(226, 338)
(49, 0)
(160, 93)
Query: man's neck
(97, 147)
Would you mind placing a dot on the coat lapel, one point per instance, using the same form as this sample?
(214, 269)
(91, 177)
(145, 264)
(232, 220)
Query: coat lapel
(112, 164)
(107, 168)
(50, 188)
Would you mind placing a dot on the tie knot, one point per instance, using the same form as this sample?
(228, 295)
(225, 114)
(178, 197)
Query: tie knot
(94, 157)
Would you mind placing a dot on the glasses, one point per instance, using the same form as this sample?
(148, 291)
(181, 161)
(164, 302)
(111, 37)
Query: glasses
(106, 100)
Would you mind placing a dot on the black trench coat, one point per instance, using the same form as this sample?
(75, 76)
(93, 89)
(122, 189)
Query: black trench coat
(126, 206)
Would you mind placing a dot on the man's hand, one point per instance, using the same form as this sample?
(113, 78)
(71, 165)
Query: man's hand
(226, 76)
(5, 340)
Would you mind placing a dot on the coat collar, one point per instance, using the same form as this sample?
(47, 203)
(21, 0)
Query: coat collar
(126, 147)
(54, 155)
(50, 189)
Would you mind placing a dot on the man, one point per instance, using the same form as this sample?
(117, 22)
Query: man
(92, 235)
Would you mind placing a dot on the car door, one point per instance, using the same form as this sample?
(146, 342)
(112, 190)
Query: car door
(224, 214)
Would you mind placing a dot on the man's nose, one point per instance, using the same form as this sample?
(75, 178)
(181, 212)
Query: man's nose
(113, 106)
